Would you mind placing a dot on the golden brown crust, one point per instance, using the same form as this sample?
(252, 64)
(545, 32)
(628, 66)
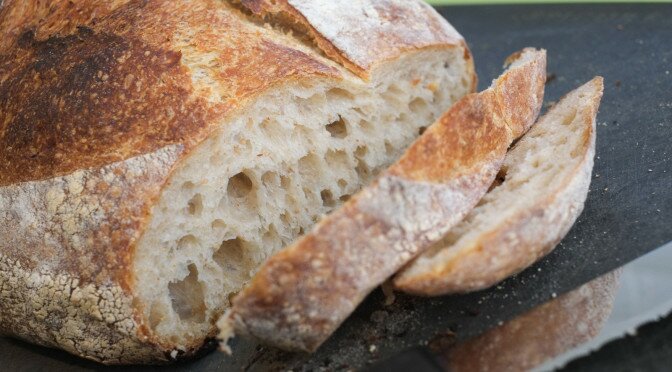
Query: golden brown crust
(83, 101)
(99, 103)
(542, 333)
(364, 36)
(49, 18)
(65, 253)
(122, 88)
(302, 294)
(519, 240)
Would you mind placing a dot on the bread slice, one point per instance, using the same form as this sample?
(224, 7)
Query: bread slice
(303, 293)
(538, 195)
(154, 153)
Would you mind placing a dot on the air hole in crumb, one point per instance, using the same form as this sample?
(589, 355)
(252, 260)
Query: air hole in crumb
(361, 151)
(307, 192)
(269, 178)
(366, 126)
(285, 182)
(218, 225)
(338, 128)
(267, 126)
(270, 239)
(231, 297)
(285, 219)
(230, 254)
(535, 163)
(187, 242)
(417, 105)
(338, 93)
(188, 185)
(337, 160)
(239, 186)
(446, 65)
(309, 165)
(363, 170)
(422, 130)
(187, 297)
(316, 100)
(395, 89)
(389, 149)
(344, 198)
(195, 205)
(327, 198)
(568, 119)
(157, 314)
(342, 183)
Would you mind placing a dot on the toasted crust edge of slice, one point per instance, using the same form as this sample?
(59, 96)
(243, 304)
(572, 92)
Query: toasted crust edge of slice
(303, 293)
(516, 242)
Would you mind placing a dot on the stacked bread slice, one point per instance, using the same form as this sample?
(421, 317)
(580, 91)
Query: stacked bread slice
(540, 192)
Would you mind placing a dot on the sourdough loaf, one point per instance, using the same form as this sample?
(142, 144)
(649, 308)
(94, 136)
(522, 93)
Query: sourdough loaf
(304, 292)
(539, 194)
(154, 153)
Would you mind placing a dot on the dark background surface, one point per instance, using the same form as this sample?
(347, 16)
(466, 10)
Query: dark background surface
(648, 350)
(628, 212)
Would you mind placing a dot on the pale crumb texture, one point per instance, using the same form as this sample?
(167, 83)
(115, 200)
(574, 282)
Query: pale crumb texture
(302, 294)
(269, 175)
(536, 198)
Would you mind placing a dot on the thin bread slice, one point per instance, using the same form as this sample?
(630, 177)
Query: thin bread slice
(303, 293)
(542, 188)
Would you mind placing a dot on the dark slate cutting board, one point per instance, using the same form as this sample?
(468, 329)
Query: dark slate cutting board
(628, 212)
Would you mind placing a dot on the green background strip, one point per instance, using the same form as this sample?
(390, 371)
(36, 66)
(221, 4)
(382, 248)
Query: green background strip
(474, 2)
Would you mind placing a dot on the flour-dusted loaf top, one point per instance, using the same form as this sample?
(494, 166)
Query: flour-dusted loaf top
(388, 26)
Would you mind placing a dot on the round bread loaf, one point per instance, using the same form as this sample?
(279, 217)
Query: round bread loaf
(154, 153)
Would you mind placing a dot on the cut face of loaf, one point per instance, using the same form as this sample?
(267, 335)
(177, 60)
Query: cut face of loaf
(538, 195)
(300, 296)
(171, 147)
(253, 188)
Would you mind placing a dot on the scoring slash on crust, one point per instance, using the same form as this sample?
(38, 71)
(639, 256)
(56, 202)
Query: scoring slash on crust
(543, 185)
(303, 293)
